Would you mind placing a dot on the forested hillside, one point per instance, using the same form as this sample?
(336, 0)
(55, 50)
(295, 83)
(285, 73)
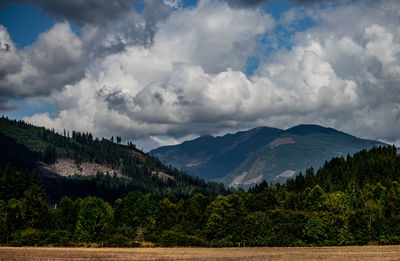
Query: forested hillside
(28, 147)
(246, 158)
(352, 200)
(215, 157)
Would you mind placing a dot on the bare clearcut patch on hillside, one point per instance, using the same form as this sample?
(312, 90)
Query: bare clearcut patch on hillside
(194, 163)
(201, 158)
(247, 177)
(258, 166)
(238, 180)
(162, 175)
(67, 167)
(281, 141)
(286, 174)
(255, 180)
(349, 253)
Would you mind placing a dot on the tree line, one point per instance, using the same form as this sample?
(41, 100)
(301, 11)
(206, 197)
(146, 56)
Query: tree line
(353, 200)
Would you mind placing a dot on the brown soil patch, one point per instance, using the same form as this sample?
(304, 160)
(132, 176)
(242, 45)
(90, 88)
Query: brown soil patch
(281, 141)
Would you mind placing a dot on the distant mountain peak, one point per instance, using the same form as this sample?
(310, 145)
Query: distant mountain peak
(306, 129)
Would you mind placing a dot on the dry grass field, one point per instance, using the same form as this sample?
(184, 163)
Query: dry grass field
(190, 254)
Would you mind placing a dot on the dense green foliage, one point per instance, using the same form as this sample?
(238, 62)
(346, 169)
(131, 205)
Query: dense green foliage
(348, 201)
(24, 145)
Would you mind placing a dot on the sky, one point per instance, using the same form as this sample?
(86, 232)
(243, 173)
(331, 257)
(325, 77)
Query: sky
(158, 72)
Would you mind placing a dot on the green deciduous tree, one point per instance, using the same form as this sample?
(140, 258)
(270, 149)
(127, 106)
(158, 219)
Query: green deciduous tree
(14, 217)
(257, 229)
(314, 232)
(134, 211)
(225, 218)
(336, 214)
(94, 220)
(66, 214)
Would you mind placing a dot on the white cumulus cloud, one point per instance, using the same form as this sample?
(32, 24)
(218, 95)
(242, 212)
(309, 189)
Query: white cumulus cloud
(342, 72)
(55, 59)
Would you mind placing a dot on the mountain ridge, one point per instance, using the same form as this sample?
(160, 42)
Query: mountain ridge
(265, 153)
(199, 153)
(81, 165)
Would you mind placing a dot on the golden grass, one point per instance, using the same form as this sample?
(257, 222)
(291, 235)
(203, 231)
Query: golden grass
(391, 253)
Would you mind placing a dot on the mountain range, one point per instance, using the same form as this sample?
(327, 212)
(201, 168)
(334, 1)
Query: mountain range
(246, 158)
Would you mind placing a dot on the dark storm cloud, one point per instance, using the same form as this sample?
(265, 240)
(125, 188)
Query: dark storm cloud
(254, 3)
(115, 99)
(307, 2)
(154, 12)
(81, 11)
(246, 3)
(132, 29)
(100, 12)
